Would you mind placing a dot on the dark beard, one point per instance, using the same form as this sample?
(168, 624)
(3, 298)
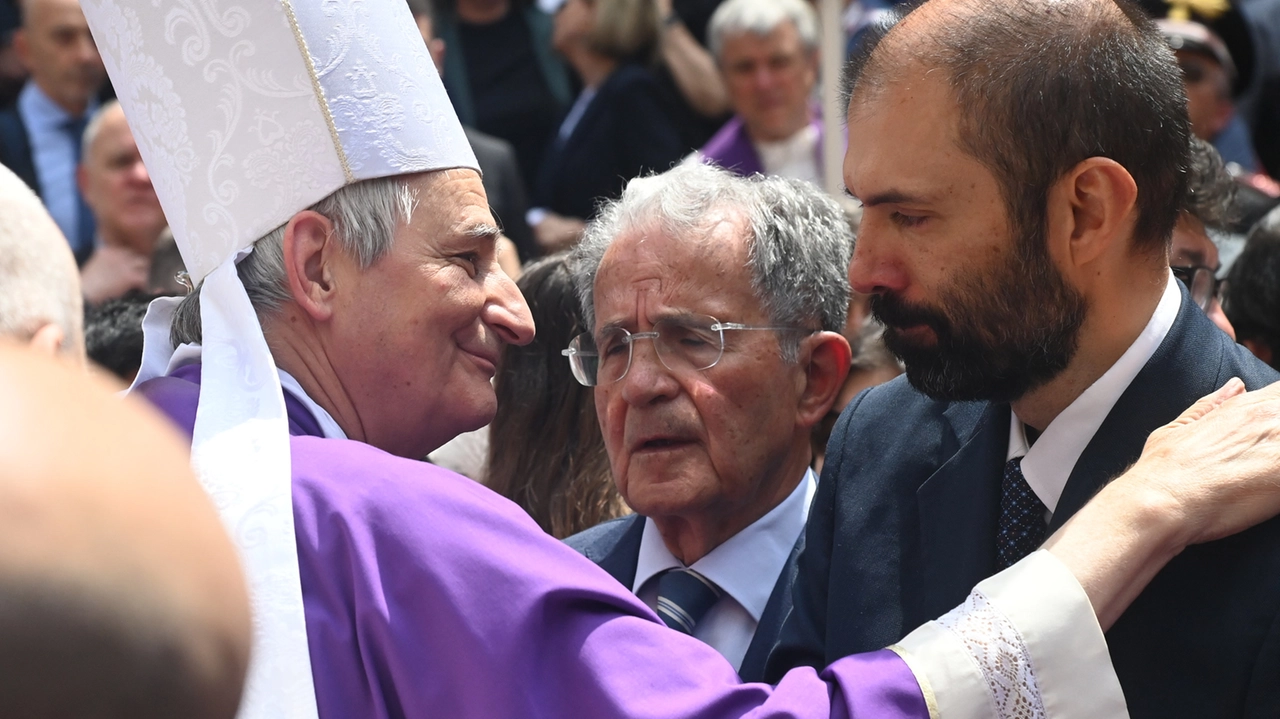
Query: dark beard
(997, 337)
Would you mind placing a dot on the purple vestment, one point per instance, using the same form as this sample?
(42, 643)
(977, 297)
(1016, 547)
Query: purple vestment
(427, 595)
(732, 149)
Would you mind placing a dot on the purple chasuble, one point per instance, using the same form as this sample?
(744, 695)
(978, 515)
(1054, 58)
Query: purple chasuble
(732, 149)
(427, 595)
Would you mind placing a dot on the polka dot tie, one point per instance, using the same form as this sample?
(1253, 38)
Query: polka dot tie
(1022, 525)
(684, 596)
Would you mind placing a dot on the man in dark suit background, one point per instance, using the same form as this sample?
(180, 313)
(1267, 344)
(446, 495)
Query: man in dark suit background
(706, 425)
(1021, 168)
(498, 166)
(40, 137)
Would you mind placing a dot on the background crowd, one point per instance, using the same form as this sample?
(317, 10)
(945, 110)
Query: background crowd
(564, 101)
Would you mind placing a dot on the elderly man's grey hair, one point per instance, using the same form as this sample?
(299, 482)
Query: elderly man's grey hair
(365, 215)
(39, 283)
(799, 242)
(761, 17)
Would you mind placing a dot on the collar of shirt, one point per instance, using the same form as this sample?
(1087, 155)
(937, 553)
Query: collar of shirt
(187, 353)
(795, 157)
(1047, 465)
(41, 113)
(327, 424)
(737, 565)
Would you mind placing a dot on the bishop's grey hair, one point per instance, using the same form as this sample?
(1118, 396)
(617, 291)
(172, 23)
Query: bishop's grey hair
(365, 216)
(799, 241)
(761, 17)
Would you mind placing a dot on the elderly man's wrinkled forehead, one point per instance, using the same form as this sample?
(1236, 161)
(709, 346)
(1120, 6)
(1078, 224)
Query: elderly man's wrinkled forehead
(662, 248)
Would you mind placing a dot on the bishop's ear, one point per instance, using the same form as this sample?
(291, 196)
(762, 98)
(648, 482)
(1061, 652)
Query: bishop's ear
(311, 255)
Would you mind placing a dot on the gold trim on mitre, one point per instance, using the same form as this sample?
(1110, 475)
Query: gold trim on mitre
(315, 85)
(926, 689)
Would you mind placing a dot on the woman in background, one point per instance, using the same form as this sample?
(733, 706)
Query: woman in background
(620, 126)
(545, 449)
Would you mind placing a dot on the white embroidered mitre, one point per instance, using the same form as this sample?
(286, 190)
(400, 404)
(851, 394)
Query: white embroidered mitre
(246, 113)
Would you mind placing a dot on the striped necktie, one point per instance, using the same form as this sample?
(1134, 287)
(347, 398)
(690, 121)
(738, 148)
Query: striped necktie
(684, 596)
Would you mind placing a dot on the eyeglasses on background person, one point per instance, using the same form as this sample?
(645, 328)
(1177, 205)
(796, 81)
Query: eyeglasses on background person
(689, 342)
(1202, 282)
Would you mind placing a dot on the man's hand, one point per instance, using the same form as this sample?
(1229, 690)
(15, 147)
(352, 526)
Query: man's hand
(1218, 463)
(113, 271)
(1212, 472)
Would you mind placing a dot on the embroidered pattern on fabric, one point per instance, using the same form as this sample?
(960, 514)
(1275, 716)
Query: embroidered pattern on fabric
(997, 647)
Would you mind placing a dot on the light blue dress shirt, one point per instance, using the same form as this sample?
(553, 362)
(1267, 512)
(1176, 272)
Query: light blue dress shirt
(53, 151)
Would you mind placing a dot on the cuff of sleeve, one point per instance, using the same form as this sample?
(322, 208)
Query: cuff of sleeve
(1035, 617)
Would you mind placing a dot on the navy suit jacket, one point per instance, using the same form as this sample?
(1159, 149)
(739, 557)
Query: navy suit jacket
(904, 525)
(624, 133)
(615, 546)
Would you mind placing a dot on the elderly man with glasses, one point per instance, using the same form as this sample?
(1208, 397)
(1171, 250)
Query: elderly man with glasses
(718, 304)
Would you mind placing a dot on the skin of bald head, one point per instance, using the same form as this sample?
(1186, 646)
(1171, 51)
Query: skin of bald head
(120, 593)
(40, 300)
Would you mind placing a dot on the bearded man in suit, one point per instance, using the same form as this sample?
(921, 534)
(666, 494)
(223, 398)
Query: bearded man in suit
(1021, 166)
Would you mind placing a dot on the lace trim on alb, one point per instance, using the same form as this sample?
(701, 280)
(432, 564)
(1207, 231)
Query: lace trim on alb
(997, 647)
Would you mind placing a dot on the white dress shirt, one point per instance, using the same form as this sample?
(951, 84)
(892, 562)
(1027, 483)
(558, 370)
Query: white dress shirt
(1048, 463)
(53, 152)
(795, 157)
(746, 567)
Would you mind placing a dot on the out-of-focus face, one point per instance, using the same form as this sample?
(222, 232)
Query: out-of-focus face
(57, 49)
(971, 310)
(416, 338)
(117, 187)
(1208, 94)
(573, 23)
(703, 446)
(770, 80)
(1192, 247)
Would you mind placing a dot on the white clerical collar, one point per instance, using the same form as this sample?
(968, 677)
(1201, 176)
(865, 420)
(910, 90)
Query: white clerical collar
(188, 353)
(758, 552)
(327, 424)
(795, 157)
(1047, 465)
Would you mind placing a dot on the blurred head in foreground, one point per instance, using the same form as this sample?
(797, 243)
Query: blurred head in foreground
(40, 299)
(120, 594)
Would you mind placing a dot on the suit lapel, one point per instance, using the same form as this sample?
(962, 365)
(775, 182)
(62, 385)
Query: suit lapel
(958, 507)
(1173, 379)
(620, 559)
(770, 625)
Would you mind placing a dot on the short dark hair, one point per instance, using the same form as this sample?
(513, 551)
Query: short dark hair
(1252, 301)
(113, 333)
(1043, 87)
(1211, 190)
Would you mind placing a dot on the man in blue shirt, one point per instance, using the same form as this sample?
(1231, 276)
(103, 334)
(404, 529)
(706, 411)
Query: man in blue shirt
(40, 137)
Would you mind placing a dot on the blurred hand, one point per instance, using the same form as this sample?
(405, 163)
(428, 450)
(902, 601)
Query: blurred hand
(113, 271)
(509, 257)
(557, 232)
(664, 8)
